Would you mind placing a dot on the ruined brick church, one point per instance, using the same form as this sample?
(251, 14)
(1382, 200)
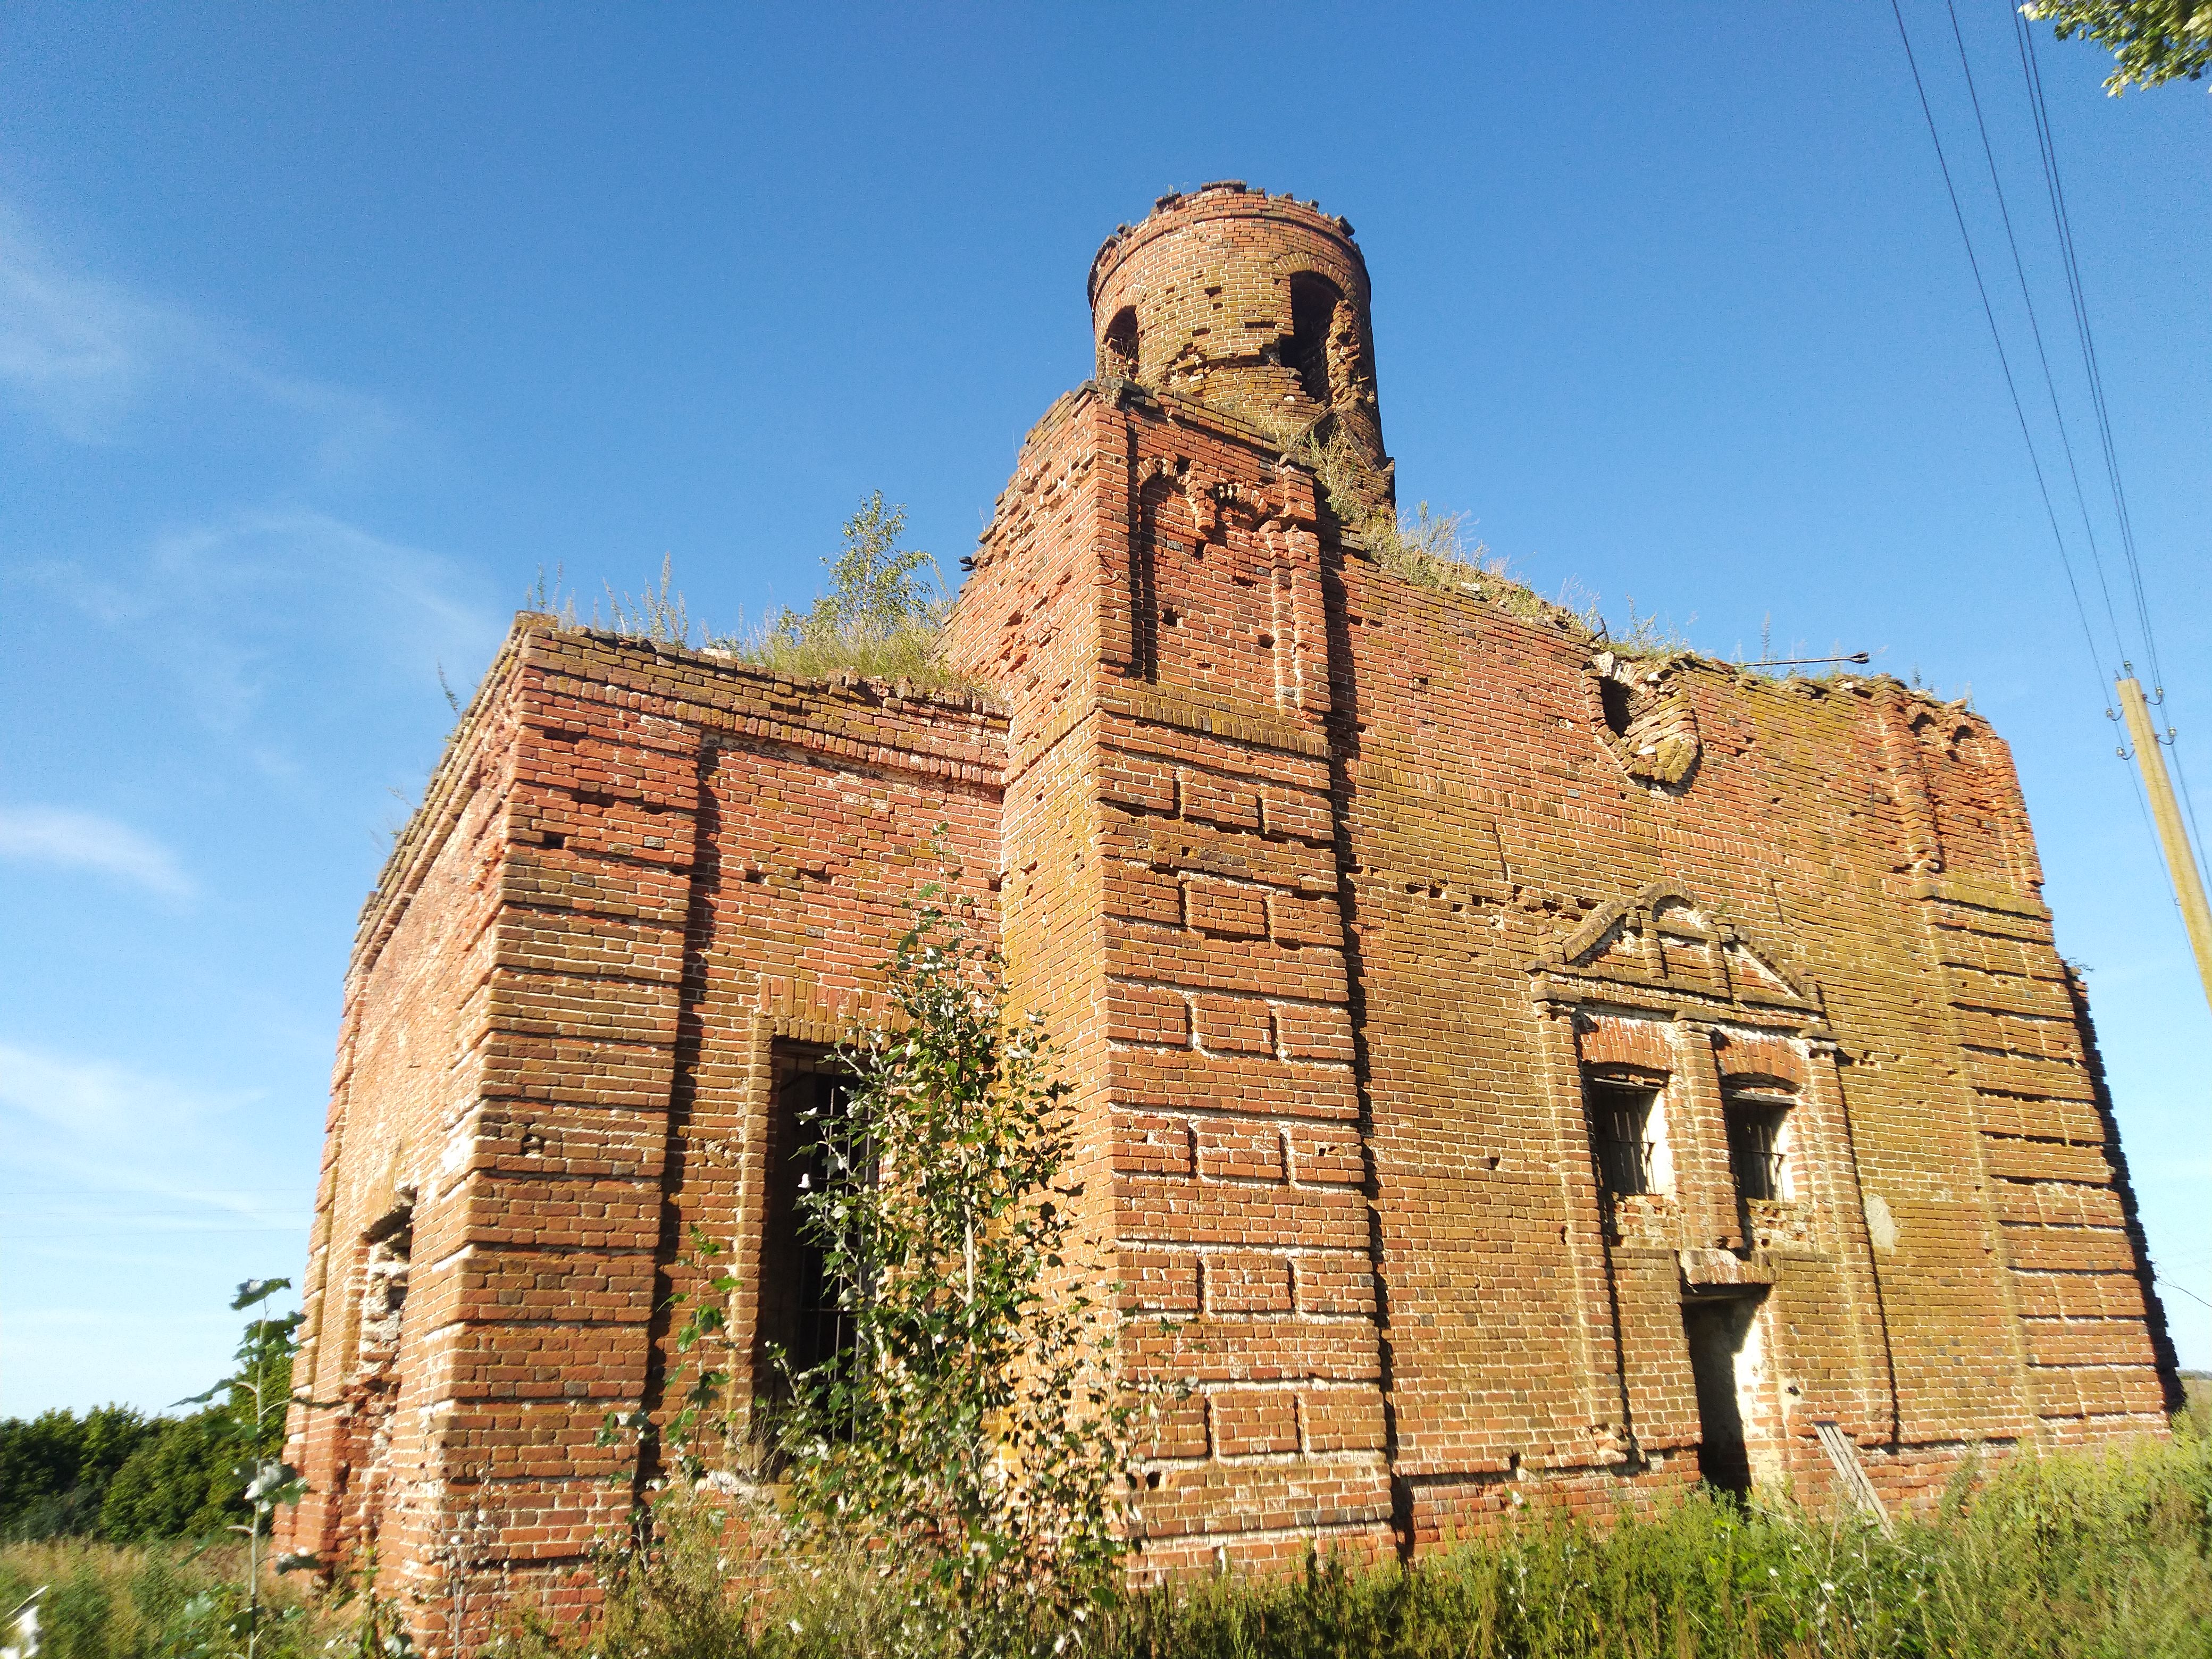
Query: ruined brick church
(1525, 1070)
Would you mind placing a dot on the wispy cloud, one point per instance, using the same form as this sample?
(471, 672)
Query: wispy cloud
(265, 617)
(90, 1128)
(85, 355)
(86, 841)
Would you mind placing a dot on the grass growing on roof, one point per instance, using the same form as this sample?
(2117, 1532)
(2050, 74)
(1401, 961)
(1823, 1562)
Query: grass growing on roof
(882, 617)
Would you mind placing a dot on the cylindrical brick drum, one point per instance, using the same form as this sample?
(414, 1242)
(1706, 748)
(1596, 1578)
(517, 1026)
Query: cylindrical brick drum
(1255, 305)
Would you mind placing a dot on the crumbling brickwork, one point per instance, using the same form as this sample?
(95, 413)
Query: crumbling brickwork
(1509, 1069)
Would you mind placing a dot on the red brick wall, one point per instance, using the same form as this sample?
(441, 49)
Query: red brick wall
(637, 869)
(1180, 791)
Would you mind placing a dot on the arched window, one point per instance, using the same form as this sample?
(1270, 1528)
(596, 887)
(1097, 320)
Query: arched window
(1314, 301)
(1117, 347)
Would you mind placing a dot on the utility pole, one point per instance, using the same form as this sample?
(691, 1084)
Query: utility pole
(2187, 885)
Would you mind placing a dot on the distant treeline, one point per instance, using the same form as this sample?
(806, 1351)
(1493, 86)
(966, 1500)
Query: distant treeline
(116, 1474)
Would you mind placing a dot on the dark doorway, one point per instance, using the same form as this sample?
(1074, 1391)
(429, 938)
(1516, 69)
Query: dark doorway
(1117, 348)
(1716, 1330)
(802, 1312)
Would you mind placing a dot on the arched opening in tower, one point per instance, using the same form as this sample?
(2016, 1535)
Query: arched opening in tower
(1314, 301)
(1117, 347)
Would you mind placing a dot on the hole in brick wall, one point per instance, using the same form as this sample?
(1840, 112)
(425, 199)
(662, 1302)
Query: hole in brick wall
(1614, 696)
(554, 843)
(1171, 618)
(1266, 641)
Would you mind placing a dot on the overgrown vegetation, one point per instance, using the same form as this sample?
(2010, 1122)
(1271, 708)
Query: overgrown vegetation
(973, 1441)
(1434, 550)
(2074, 1554)
(163, 1601)
(969, 1440)
(214, 1477)
(2071, 1556)
(882, 617)
(2152, 42)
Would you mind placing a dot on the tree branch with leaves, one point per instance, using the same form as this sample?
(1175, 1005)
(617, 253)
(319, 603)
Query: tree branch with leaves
(974, 1439)
(2152, 42)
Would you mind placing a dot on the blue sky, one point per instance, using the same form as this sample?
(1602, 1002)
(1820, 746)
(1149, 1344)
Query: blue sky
(322, 328)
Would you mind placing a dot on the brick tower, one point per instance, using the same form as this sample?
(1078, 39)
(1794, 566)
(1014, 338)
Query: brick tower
(1510, 1069)
(1253, 304)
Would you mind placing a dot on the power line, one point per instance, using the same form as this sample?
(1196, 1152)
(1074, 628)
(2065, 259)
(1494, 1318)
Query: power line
(2062, 222)
(2184, 1289)
(2088, 635)
(2012, 388)
(2048, 149)
(2035, 329)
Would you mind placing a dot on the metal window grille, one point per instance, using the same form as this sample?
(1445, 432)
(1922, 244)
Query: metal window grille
(1620, 1130)
(1754, 1150)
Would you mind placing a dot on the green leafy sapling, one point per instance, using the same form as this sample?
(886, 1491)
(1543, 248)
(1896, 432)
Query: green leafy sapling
(876, 587)
(973, 1438)
(699, 1443)
(260, 1395)
(882, 616)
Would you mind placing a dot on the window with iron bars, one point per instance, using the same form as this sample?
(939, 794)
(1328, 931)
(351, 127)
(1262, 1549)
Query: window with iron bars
(1754, 1131)
(1620, 1111)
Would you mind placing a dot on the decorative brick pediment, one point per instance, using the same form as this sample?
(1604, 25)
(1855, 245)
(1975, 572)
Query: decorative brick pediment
(1664, 940)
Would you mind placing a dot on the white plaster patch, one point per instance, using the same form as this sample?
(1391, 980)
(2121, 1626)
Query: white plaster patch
(1881, 1226)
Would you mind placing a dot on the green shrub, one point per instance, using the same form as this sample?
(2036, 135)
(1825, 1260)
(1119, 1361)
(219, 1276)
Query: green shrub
(130, 1479)
(55, 1468)
(180, 1483)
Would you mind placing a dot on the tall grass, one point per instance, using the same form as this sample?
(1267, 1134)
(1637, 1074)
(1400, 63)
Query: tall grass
(882, 619)
(1434, 550)
(2069, 1556)
(170, 1601)
(2076, 1555)
(2066, 1557)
